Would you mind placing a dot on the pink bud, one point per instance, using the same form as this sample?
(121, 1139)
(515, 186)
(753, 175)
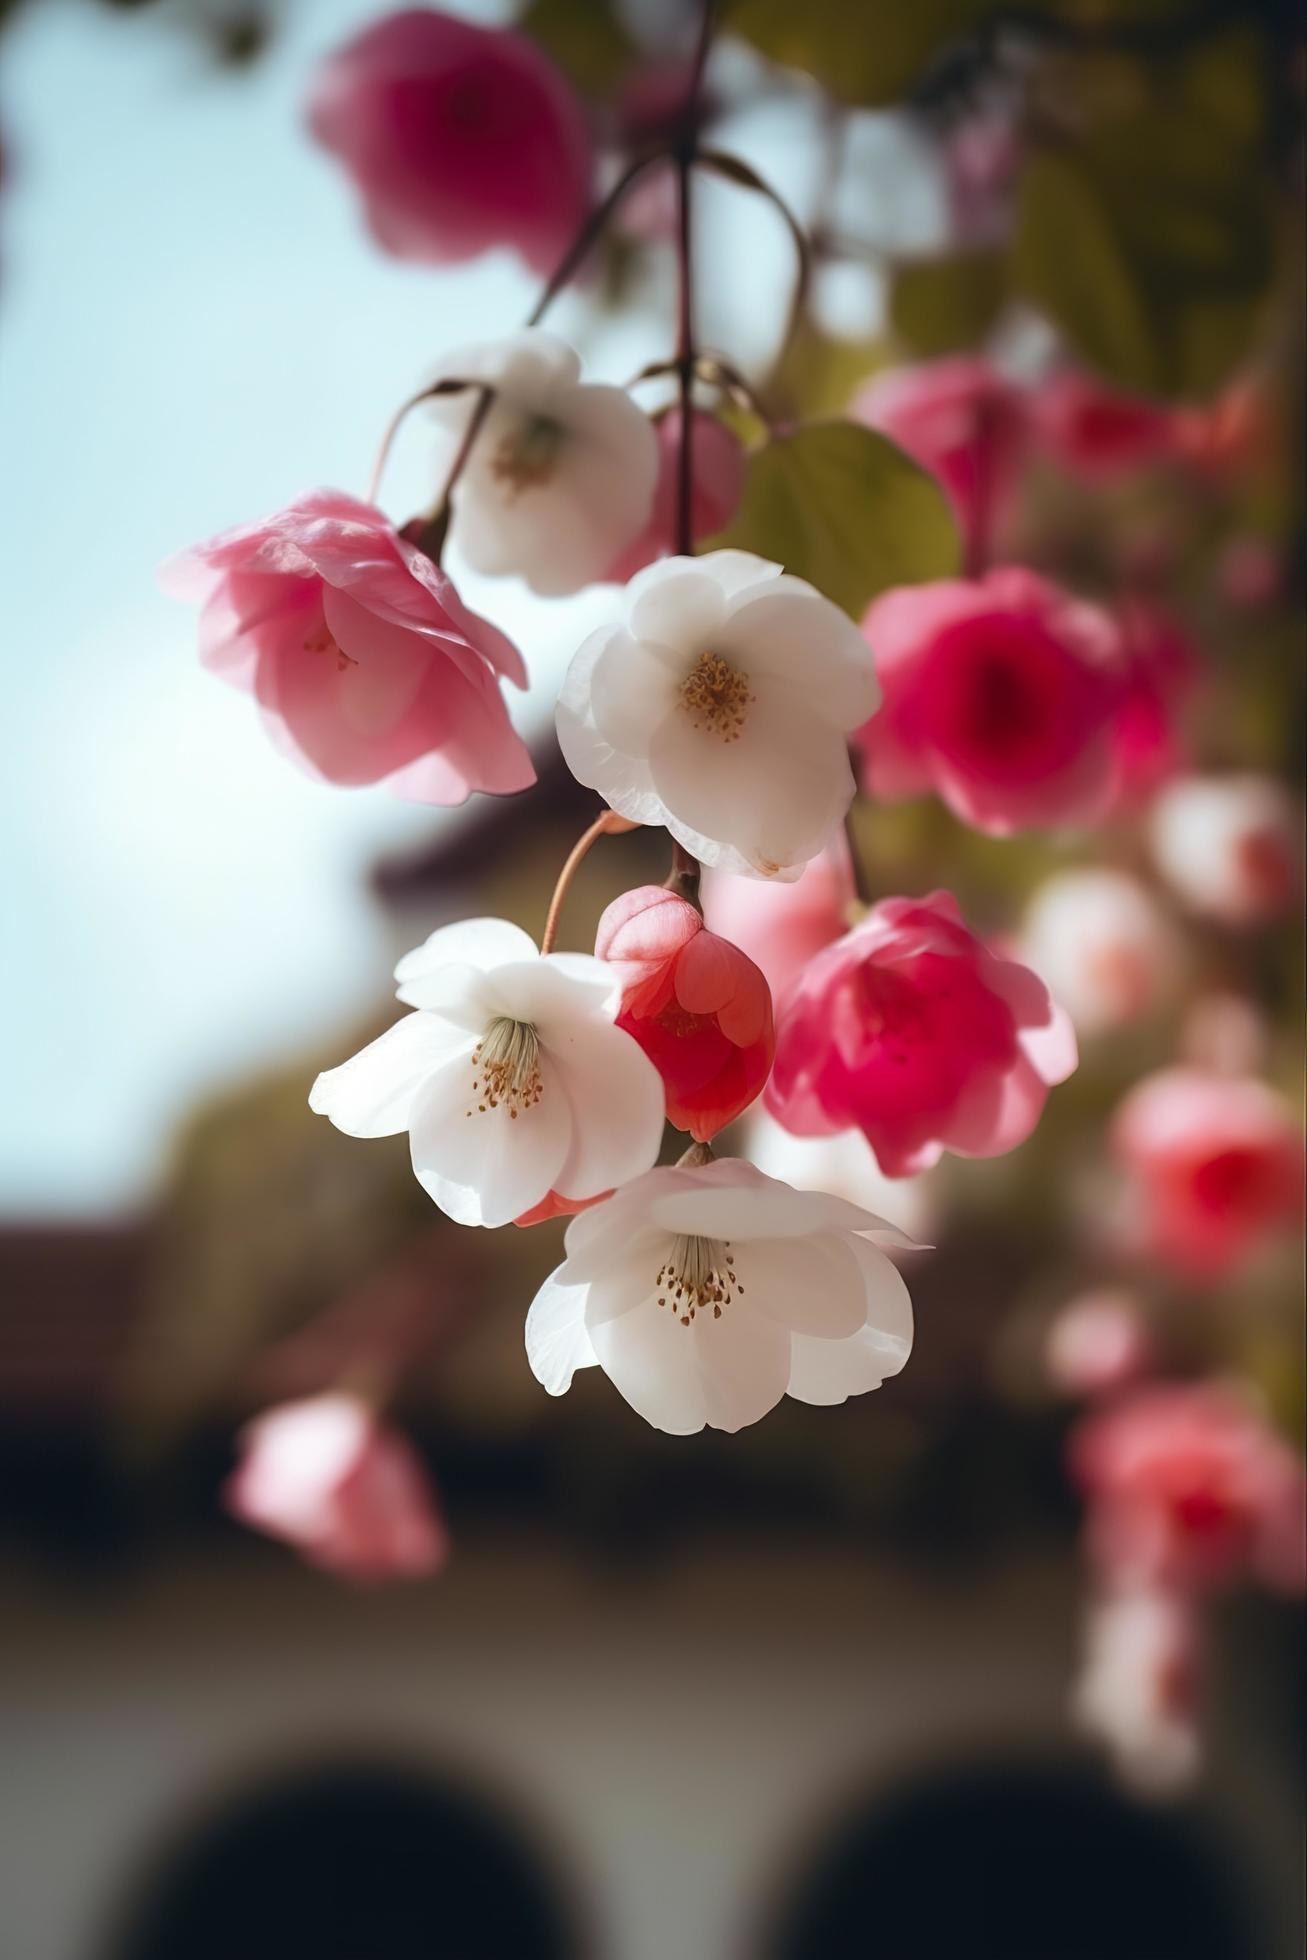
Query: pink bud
(717, 461)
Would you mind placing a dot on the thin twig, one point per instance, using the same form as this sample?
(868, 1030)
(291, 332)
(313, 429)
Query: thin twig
(606, 824)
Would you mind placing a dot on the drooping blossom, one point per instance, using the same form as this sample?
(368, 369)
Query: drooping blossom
(1213, 1169)
(1098, 1343)
(699, 1007)
(845, 1166)
(510, 1077)
(717, 458)
(999, 695)
(1103, 945)
(561, 475)
(719, 704)
(362, 657)
(964, 422)
(347, 1491)
(708, 1293)
(1139, 1685)
(1230, 846)
(1187, 1486)
(1159, 669)
(1098, 432)
(459, 138)
(911, 1030)
(780, 924)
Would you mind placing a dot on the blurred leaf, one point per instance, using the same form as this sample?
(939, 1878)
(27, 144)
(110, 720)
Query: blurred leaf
(819, 373)
(940, 305)
(1150, 247)
(585, 38)
(841, 506)
(871, 53)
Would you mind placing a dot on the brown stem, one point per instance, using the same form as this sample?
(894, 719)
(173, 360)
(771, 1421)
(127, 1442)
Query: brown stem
(735, 171)
(447, 386)
(606, 824)
(683, 878)
(588, 236)
(861, 877)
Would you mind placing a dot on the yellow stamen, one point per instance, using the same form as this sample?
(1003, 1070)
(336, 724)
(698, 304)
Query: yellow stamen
(716, 697)
(698, 1273)
(506, 1068)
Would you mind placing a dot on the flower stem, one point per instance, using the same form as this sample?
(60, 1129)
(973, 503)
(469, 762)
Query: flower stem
(683, 878)
(606, 824)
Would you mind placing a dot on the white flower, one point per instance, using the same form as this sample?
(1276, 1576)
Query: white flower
(561, 476)
(706, 1294)
(720, 705)
(510, 1078)
(1230, 846)
(1137, 1691)
(844, 1164)
(1103, 946)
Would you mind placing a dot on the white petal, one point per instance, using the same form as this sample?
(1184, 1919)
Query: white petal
(623, 781)
(675, 604)
(633, 687)
(737, 572)
(812, 1285)
(652, 1361)
(483, 943)
(488, 1167)
(618, 1106)
(826, 1372)
(731, 1199)
(791, 634)
(557, 1341)
(745, 1363)
(373, 1094)
(556, 992)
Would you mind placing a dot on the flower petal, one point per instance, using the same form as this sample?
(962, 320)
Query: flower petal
(675, 604)
(483, 943)
(557, 1340)
(617, 1102)
(827, 1372)
(374, 1093)
(812, 1285)
(487, 1167)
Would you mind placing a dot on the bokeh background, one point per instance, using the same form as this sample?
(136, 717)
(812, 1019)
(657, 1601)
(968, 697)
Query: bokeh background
(802, 1691)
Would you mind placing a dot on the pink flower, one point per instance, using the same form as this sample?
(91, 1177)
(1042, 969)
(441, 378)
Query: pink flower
(781, 926)
(460, 138)
(717, 461)
(911, 1031)
(699, 1007)
(1160, 667)
(347, 1492)
(1214, 1165)
(1097, 1343)
(1187, 1486)
(1140, 1682)
(1098, 432)
(363, 658)
(1000, 695)
(1230, 846)
(961, 420)
(1103, 946)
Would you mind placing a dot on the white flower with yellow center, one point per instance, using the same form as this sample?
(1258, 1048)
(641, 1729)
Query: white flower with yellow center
(707, 1293)
(562, 472)
(510, 1077)
(720, 705)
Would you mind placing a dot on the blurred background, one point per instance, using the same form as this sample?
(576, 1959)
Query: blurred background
(804, 1691)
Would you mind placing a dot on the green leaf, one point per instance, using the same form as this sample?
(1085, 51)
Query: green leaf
(940, 305)
(870, 53)
(843, 507)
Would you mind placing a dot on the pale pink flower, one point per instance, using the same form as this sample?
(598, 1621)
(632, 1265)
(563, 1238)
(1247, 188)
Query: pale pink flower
(965, 423)
(781, 926)
(699, 1007)
(910, 1030)
(1187, 1486)
(717, 460)
(459, 138)
(359, 651)
(1214, 1168)
(1138, 1689)
(1103, 945)
(1097, 431)
(348, 1492)
(1230, 846)
(999, 695)
(1097, 1343)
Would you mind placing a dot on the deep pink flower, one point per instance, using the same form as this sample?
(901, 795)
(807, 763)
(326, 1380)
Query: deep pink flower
(1214, 1165)
(782, 925)
(1187, 1486)
(460, 138)
(910, 1030)
(717, 460)
(965, 423)
(699, 1007)
(363, 658)
(1160, 668)
(1000, 695)
(1098, 432)
(347, 1492)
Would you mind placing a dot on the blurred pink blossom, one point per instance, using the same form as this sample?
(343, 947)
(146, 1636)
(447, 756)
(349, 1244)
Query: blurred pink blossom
(1186, 1485)
(1000, 695)
(1098, 1343)
(910, 1030)
(964, 422)
(349, 1493)
(1160, 667)
(1230, 846)
(1138, 1689)
(1214, 1165)
(718, 464)
(1103, 945)
(359, 651)
(460, 138)
(781, 926)
(699, 1007)
(1096, 431)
